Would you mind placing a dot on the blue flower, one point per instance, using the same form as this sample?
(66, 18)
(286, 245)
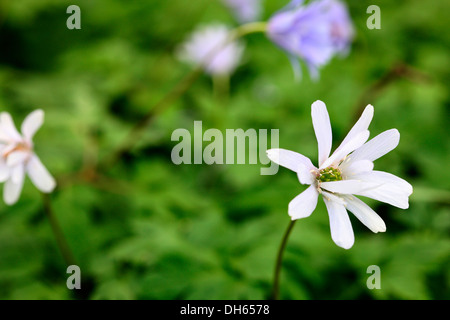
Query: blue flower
(315, 32)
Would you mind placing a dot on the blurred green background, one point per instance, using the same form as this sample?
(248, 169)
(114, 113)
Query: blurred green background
(148, 229)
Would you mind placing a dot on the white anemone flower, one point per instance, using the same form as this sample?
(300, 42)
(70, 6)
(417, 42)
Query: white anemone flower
(344, 174)
(210, 47)
(18, 157)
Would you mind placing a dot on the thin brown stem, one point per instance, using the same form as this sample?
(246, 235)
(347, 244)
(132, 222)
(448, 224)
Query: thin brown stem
(57, 231)
(397, 71)
(138, 130)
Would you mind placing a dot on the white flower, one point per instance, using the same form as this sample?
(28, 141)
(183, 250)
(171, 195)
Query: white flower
(209, 47)
(18, 157)
(347, 172)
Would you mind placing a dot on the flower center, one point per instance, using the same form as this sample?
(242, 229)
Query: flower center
(329, 174)
(19, 147)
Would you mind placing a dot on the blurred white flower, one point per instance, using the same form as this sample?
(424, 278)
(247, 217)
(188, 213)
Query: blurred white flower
(347, 172)
(18, 157)
(210, 47)
(245, 10)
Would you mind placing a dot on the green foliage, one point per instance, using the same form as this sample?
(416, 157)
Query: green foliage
(148, 229)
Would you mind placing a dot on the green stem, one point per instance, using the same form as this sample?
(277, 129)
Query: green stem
(221, 88)
(276, 276)
(221, 93)
(57, 231)
(248, 28)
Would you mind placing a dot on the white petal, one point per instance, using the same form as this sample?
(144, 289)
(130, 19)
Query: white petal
(8, 127)
(39, 175)
(391, 189)
(304, 204)
(348, 186)
(322, 129)
(16, 157)
(378, 146)
(4, 137)
(350, 146)
(4, 171)
(340, 225)
(365, 214)
(338, 198)
(18, 173)
(32, 123)
(360, 126)
(11, 191)
(305, 175)
(350, 168)
(289, 159)
(381, 176)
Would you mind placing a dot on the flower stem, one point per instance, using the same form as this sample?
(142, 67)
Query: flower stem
(276, 276)
(248, 28)
(57, 231)
(138, 130)
(221, 88)
(177, 91)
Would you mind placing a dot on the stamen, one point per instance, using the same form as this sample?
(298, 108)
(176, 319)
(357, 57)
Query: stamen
(329, 174)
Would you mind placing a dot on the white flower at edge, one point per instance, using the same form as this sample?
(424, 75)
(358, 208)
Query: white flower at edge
(344, 174)
(209, 47)
(18, 157)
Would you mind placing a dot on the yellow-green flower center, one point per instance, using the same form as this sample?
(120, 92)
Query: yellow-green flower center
(329, 174)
